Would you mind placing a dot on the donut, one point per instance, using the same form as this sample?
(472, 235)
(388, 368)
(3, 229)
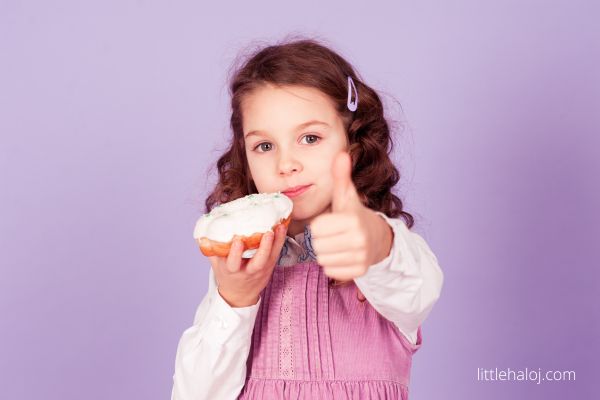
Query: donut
(248, 217)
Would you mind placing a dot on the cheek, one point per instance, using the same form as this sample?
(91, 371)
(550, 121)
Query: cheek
(259, 170)
(253, 167)
(323, 179)
(256, 164)
(322, 166)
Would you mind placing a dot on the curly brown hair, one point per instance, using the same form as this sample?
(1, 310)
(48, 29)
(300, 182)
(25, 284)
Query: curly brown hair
(306, 62)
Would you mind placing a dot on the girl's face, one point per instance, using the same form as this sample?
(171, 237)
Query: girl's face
(292, 134)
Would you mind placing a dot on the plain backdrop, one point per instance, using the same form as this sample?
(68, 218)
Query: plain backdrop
(112, 112)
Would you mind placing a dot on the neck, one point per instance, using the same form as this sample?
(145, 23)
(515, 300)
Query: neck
(296, 226)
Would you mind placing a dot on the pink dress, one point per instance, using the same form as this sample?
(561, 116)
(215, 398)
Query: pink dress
(313, 340)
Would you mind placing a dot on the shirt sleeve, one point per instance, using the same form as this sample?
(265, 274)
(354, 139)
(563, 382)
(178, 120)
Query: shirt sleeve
(211, 355)
(405, 285)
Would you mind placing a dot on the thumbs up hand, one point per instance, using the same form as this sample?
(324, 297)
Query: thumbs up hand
(352, 237)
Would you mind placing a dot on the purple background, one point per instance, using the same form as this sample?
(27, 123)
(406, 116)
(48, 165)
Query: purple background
(111, 113)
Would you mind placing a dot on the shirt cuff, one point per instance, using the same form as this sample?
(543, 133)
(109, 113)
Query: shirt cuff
(231, 324)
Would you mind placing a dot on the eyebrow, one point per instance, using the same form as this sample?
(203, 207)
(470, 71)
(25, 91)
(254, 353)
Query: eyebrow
(299, 127)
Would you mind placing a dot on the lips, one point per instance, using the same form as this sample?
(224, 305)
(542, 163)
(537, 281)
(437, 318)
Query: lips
(295, 191)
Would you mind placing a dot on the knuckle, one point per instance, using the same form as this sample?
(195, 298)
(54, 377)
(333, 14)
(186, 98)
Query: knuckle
(361, 270)
(361, 257)
(316, 245)
(359, 241)
(363, 236)
(321, 260)
(256, 265)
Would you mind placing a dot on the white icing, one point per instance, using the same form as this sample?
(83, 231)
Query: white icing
(244, 216)
(249, 253)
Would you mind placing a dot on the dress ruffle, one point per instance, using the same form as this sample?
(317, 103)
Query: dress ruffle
(273, 389)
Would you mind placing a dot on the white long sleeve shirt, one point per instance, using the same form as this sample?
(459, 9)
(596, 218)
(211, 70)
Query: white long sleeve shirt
(211, 355)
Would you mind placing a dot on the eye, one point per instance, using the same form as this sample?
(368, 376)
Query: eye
(264, 146)
(311, 138)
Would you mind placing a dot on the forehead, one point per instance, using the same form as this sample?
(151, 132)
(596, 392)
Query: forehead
(280, 108)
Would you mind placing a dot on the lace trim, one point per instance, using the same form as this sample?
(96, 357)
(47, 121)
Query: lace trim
(286, 360)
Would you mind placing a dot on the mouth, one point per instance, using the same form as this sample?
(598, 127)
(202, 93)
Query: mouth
(296, 190)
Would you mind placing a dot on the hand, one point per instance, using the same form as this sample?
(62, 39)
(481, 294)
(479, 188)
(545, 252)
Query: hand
(352, 237)
(240, 280)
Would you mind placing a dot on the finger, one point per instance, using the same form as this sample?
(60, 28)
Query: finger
(280, 236)
(344, 196)
(342, 180)
(361, 297)
(344, 273)
(234, 258)
(341, 259)
(262, 255)
(340, 243)
(214, 261)
(332, 224)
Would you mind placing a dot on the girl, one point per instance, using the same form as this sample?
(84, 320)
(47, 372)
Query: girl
(331, 308)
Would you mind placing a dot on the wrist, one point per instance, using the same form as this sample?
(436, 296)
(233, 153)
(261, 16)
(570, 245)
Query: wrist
(238, 301)
(385, 239)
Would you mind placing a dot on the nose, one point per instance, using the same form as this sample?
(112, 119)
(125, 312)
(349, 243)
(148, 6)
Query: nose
(288, 164)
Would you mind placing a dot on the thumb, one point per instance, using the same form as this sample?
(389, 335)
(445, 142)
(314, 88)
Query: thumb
(345, 196)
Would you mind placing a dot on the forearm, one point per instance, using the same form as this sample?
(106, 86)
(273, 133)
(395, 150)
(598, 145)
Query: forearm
(404, 286)
(209, 370)
(212, 354)
(384, 238)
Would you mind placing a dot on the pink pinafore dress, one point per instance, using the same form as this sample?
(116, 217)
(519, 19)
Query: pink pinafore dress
(313, 340)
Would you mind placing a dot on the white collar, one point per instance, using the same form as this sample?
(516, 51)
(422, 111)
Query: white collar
(297, 249)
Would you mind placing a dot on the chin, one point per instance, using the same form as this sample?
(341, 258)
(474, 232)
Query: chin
(300, 213)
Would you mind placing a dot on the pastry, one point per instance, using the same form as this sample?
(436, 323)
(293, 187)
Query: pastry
(248, 217)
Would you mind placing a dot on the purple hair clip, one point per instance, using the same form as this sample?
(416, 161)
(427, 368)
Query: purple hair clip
(352, 105)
